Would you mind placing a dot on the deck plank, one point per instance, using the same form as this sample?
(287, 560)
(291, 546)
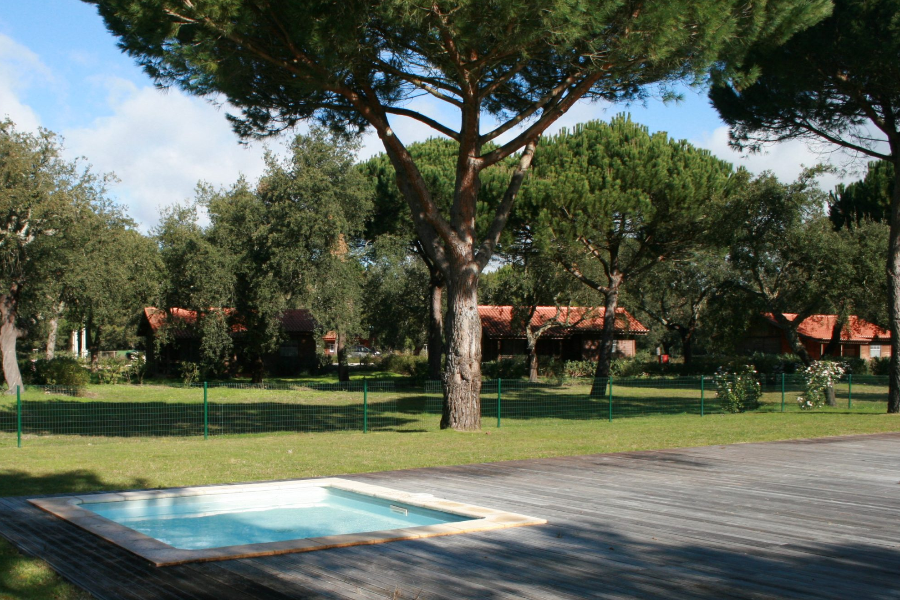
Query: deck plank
(803, 519)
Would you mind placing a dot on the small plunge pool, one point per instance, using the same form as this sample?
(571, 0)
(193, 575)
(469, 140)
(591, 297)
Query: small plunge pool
(176, 526)
(230, 519)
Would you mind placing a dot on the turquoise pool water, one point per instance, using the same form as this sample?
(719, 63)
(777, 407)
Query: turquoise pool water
(231, 519)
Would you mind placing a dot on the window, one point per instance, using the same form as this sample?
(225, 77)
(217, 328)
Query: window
(875, 351)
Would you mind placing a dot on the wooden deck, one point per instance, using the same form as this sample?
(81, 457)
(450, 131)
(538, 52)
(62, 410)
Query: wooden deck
(803, 519)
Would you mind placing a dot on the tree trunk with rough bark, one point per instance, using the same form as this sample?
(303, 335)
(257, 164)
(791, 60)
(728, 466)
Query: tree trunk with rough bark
(604, 358)
(462, 376)
(790, 332)
(343, 366)
(9, 334)
(435, 326)
(687, 345)
(532, 361)
(893, 272)
(50, 349)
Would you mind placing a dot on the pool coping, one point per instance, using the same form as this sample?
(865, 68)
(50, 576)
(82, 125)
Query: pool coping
(161, 554)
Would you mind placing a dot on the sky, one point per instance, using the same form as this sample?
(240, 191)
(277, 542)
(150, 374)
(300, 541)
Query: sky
(60, 69)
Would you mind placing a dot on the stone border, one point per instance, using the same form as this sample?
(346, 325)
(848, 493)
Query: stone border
(162, 554)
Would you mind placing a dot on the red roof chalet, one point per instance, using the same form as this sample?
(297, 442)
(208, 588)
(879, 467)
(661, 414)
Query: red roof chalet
(503, 336)
(858, 338)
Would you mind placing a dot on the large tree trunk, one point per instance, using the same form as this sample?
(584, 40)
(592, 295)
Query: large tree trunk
(893, 271)
(435, 326)
(793, 340)
(50, 350)
(834, 344)
(462, 375)
(343, 367)
(604, 358)
(687, 345)
(9, 334)
(532, 362)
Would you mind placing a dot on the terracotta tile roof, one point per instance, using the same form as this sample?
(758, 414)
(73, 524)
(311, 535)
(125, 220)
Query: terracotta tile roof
(297, 320)
(819, 328)
(497, 321)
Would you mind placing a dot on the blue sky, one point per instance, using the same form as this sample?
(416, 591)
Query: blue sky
(60, 69)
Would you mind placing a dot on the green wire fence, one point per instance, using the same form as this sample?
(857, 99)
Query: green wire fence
(216, 409)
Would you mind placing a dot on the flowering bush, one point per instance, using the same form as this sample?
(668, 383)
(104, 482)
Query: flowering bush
(738, 390)
(820, 379)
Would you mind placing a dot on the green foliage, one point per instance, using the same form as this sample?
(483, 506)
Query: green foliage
(507, 368)
(406, 364)
(820, 377)
(62, 370)
(113, 371)
(797, 92)
(612, 202)
(868, 199)
(738, 390)
(575, 369)
(190, 372)
(880, 366)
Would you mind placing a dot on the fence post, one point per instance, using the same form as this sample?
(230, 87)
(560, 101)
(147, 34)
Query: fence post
(205, 412)
(782, 392)
(702, 380)
(365, 405)
(849, 391)
(18, 416)
(610, 379)
(499, 399)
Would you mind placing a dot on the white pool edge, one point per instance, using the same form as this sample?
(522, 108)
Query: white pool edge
(162, 554)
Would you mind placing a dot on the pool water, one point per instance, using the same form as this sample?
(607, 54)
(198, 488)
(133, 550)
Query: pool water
(231, 519)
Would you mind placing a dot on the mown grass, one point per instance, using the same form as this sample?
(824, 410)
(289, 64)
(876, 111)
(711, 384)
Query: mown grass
(26, 578)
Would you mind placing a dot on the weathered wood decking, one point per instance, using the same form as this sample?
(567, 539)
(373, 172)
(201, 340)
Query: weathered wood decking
(804, 519)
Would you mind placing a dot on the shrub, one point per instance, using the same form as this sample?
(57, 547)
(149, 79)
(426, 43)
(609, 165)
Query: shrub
(190, 372)
(62, 370)
(880, 366)
(406, 364)
(738, 389)
(573, 369)
(820, 379)
(856, 366)
(322, 363)
(139, 367)
(111, 371)
(507, 368)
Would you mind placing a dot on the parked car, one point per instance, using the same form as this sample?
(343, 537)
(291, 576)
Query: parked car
(362, 352)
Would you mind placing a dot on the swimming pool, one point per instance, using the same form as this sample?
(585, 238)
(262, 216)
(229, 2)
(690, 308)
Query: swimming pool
(181, 525)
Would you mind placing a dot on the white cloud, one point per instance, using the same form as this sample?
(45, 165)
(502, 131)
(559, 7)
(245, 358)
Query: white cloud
(20, 68)
(160, 145)
(787, 159)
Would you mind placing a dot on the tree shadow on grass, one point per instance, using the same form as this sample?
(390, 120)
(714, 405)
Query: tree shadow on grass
(151, 419)
(15, 482)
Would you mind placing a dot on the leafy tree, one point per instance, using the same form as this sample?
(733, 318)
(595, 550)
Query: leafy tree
(612, 201)
(316, 204)
(397, 298)
(839, 83)
(113, 273)
(784, 254)
(356, 64)
(532, 279)
(868, 199)
(436, 160)
(40, 197)
(198, 276)
(676, 294)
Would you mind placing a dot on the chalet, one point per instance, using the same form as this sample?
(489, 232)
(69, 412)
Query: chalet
(503, 337)
(296, 352)
(858, 338)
